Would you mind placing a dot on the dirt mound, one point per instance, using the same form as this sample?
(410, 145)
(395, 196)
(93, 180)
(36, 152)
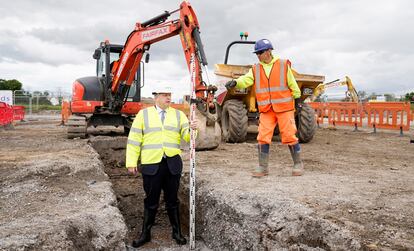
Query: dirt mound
(54, 194)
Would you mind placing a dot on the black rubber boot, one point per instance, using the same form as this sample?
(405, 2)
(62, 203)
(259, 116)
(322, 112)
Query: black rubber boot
(149, 219)
(174, 216)
(263, 168)
(297, 161)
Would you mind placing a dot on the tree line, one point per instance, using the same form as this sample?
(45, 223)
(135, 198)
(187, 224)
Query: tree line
(21, 98)
(15, 85)
(12, 84)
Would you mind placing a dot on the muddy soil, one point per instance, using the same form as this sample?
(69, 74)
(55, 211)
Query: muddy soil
(130, 194)
(54, 194)
(357, 194)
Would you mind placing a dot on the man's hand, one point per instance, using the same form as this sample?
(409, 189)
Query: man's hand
(133, 170)
(194, 124)
(232, 83)
(298, 105)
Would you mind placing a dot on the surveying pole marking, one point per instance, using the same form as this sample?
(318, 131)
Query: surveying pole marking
(192, 156)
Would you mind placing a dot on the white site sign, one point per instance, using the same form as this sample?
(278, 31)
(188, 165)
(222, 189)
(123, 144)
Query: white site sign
(6, 97)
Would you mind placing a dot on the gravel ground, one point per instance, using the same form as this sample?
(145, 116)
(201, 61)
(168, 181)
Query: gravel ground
(357, 194)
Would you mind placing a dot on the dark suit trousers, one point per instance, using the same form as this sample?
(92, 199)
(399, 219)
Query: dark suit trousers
(163, 180)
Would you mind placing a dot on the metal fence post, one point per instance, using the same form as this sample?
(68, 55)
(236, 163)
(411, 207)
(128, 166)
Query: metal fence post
(30, 105)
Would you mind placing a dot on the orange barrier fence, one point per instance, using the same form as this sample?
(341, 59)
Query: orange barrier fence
(339, 113)
(385, 115)
(320, 111)
(18, 112)
(345, 113)
(389, 115)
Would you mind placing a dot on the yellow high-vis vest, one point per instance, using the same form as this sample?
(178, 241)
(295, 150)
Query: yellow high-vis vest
(149, 139)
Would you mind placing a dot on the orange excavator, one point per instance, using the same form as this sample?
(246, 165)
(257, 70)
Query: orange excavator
(113, 96)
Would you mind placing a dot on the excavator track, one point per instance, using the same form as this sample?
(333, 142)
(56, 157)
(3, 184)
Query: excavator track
(76, 127)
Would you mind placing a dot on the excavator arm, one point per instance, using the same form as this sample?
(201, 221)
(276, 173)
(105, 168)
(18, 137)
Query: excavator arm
(139, 41)
(152, 31)
(351, 93)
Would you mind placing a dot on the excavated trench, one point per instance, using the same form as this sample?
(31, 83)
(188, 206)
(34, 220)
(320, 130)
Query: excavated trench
(130, 194)
(227, 218)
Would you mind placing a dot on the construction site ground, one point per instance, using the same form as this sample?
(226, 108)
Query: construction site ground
(59, 194)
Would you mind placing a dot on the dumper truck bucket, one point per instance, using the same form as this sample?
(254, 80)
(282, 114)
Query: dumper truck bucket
(224, 73)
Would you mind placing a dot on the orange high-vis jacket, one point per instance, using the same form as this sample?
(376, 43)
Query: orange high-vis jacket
(273, 91)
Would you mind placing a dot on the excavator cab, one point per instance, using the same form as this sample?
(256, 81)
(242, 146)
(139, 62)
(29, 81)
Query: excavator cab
(106, 56)
(90, 95)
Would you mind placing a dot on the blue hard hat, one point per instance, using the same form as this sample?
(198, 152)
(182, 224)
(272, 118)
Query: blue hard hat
(262, 45)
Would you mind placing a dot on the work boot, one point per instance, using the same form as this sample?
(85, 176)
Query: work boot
(174, 216)
(297, 161)
(149, 219)
(263, 168)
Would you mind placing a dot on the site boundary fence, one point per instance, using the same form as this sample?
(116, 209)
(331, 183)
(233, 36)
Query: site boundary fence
(384, 115)
(6, 114)
(18, 112)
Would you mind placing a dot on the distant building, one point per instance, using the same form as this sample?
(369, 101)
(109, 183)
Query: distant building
(378, 98)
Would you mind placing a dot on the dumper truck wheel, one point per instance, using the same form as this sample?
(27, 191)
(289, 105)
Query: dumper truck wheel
(234, 121)
(306, 124)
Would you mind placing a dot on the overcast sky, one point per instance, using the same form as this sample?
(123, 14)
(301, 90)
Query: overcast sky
(47, 44)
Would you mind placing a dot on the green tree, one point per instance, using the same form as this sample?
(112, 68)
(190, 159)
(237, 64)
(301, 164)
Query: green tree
(12, 84)
(409, 96)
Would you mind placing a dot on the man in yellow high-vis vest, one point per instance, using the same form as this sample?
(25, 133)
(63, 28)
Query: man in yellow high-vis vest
(277, 95)
(154, 141)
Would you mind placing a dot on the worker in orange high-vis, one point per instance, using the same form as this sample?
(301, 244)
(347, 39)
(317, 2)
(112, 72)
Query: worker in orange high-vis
(277, 95)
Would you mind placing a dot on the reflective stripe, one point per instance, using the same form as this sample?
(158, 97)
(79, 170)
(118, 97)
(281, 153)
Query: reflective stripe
(283, 86)
(153, 129)
(177, 114)
(185, 131)
(149, 129)
(272, 89)
(146, 122)
(171, 145)
(160, 146)
(266, 102)
(136, 130)
(275, 101)
(172, 128)
(257, 78)
(134, 142)
(282, 73)
(177, 128)
(185, 125)
(152, 146)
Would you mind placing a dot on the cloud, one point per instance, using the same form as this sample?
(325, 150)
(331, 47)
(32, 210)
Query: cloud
(366, 40)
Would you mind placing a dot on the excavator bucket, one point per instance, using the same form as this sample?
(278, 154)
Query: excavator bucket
(209, 132)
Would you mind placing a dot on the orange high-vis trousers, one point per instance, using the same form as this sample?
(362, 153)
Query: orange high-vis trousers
(287, 127)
